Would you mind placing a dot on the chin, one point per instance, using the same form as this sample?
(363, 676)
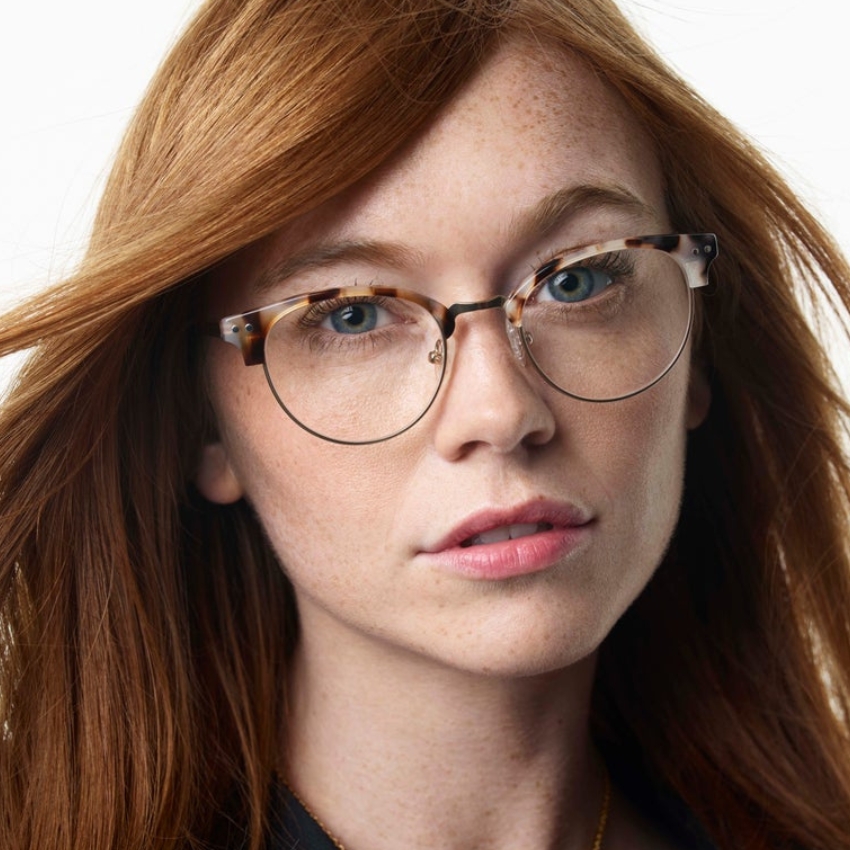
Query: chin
(521, 646)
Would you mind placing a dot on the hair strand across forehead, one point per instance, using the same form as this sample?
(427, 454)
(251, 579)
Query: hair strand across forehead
(146, 633)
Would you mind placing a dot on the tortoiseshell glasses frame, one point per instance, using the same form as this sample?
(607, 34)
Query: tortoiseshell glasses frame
(358, 364)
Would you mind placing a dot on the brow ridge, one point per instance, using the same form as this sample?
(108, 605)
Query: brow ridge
(545, 216)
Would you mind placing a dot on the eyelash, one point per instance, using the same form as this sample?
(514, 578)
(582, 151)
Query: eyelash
(318, 312)
(614, 263)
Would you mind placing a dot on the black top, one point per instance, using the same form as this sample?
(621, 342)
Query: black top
(294, 829)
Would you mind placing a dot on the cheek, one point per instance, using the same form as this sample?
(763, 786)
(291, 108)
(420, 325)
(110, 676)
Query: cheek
(311, 497)
(321, 505)
(641, 440)
(640, 472)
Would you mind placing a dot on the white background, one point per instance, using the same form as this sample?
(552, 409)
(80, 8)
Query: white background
(71, 73)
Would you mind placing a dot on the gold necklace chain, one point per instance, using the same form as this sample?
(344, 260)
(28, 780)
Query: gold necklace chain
(604, 811)
(601, 824)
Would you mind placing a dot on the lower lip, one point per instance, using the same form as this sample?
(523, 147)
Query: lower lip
(510, 558)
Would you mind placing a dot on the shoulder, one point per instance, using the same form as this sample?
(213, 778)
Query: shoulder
(650, 816)
(291, 827)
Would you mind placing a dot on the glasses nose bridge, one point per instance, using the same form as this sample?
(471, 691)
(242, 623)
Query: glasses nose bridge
(497, 302)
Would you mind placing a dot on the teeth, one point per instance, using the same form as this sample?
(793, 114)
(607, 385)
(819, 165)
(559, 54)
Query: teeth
(506, 532)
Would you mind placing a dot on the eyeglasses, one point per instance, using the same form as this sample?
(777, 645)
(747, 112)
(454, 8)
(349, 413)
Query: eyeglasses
(362, 364)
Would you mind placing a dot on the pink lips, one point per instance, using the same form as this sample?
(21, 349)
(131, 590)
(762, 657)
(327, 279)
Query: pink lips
(500, 544)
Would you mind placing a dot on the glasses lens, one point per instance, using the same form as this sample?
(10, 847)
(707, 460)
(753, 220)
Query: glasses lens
(355, 369)
(610, 325)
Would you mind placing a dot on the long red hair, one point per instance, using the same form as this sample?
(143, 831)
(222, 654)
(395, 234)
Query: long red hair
(144, 633)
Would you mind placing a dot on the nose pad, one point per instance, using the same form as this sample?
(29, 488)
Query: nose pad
(515, 336)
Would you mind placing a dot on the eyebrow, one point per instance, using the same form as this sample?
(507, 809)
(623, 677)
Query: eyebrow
(549, 213)
(556, 209)
(388, 254)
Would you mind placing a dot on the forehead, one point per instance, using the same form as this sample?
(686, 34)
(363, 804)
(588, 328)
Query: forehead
(534, 120)
(535, 105)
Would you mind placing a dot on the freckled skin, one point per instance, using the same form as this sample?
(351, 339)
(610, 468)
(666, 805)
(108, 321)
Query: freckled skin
(347, 522)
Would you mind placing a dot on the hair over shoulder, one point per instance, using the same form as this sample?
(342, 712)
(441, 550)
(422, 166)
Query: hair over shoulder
(145, 633)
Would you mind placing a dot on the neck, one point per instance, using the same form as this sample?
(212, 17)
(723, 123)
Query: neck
(490, 761)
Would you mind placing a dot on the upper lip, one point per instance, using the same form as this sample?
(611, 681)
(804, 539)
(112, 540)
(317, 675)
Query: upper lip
(557, 514)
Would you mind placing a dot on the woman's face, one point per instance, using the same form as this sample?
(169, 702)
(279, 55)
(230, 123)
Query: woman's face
(401, 545)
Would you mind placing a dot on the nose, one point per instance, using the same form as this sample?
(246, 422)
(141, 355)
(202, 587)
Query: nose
(489, 399)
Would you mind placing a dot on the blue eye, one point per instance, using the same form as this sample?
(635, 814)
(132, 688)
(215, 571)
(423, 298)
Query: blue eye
(356, 318)
(577, 283)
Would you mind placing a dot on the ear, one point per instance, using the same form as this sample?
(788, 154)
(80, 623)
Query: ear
(215, 478)
(699, 397)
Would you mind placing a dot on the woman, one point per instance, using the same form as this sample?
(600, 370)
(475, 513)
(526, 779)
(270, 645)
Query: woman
(560, 564)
